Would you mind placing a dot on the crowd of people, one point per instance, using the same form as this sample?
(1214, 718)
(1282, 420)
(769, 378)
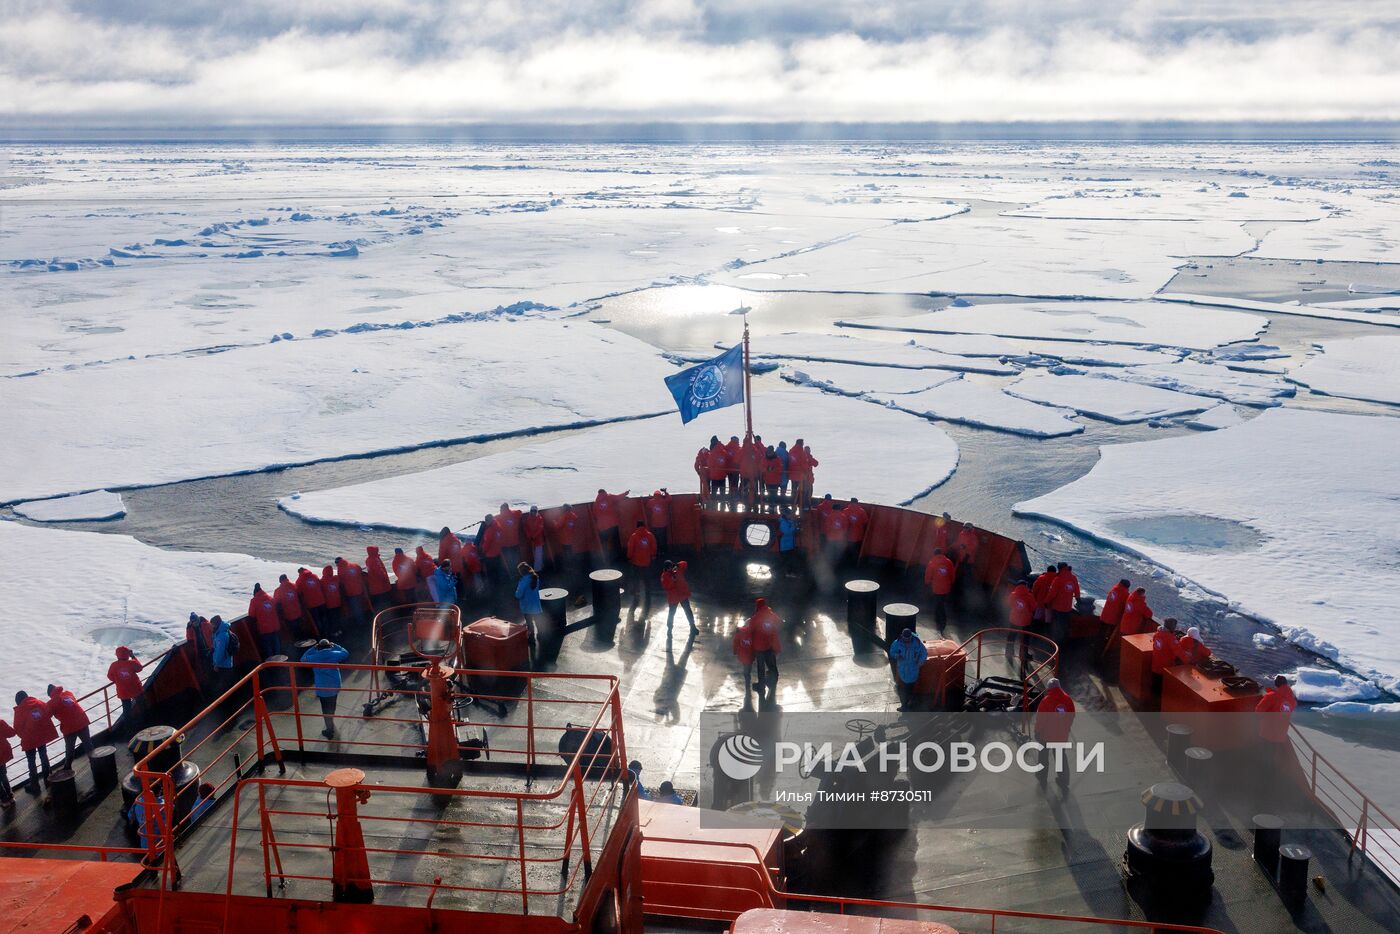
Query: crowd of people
(759, 474)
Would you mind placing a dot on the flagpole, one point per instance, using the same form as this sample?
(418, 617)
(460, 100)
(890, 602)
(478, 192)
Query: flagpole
(748, 392)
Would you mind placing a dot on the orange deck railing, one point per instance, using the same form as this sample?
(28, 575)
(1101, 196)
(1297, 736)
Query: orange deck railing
(1026, 656)
(767, 895)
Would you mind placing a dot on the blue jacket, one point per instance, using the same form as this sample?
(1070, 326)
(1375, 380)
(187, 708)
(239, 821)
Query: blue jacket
(787, 534)
(218, 652)
(908, 657)
(443, 586)
(528, 593)
(327, 680)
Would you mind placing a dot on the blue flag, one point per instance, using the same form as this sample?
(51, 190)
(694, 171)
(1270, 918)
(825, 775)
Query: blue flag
(713, 384)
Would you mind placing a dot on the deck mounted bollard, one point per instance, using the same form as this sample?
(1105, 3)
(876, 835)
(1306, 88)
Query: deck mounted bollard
(899, 617)
(1268, 834)
(1199, 765)
(607, 600)
(103, 762)
(860, 613)
(63, 788)
(304, 676)
(1178, 741)
(555, 603)
(1293, 874)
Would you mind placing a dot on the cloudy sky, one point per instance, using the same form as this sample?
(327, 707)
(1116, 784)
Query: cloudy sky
(335, 62)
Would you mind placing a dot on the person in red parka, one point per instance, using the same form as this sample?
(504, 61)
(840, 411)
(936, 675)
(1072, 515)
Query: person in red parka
(1041, 591)
(532, 530)
(607, 514)
(568, 532)
(750, 466)
(1191, 649)
(493, 566)
(262, 610)
(658, 510)
(772, 474)
(641, 552)
(742, 644)
(199, 635)
(313, 600)
(1020, 613)
(1275, 711)
(7, 794)
(857, 524)
(466, 564)
(802, 472)
(943, 528)
(966, 548)
(733, 457)
(1164, 645)
(335, 601)
(377, 583)
(702, 472)
(352, 590)
(289, 604)
(677, 593)
(767, 646)
(508, 521)
(834, 532)
(1137, 615)
(405, 577)
(72, 721)
(35, 729)
(424, 566)
(1064, 591)
(448, 543)
(1054, 716)
(717, 466)
(1114, 602)
(940, 574)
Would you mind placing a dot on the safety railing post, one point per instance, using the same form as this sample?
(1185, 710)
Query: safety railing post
(296, 707)
(583, 822)
(107, 704)
(529, 725)
(520, 835)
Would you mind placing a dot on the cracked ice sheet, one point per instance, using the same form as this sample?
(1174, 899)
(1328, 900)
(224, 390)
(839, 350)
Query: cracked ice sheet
(1330, 312)
(875, 453)
(1355, 368)
(1154, 324)
(1322, 568)
(844, 348)
(293, 402)
(1109, 399)
(966, 402)
(1210, 379)
(472, 264)
(127, 594)
(1179, 202)
(1223, 415)
(89, 507)
(855, 380)
(980, 255)
(1369, 232)
(1021, 351)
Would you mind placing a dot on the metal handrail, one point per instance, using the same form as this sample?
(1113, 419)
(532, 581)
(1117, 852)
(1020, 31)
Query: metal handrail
(1051, 661)
(18, 770)
(1368, 818)
(778, 896)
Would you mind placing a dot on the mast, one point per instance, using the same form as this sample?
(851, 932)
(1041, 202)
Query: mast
(748, 392)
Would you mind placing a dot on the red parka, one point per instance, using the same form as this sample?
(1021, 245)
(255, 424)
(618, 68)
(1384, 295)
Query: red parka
(1164, 645)
(33, 724)
(7, 733)
(606, 507)
(659, 510)
(448, 543)
(262, 609)
(567, 528)
(508, 521)
(1064, 590)
(674, 583)
(1113, 604)
(765, 624)
(424, 564)
(1136, 613)
(309, 589)
(641, 547)
(939, 575)
(1190, 651)
(376, 575)
(123, 674)
(743, 644)
(1041, 589)
(717, 462)
(65, 708)
(532, 525)
(330, 588)
(288, 603)
(834, 525)
(857, 521)
(1053, 716)
(967, 546)
(1277, 706)
(772, 470)
(405, 572)
(491, 541)
(1021, 606)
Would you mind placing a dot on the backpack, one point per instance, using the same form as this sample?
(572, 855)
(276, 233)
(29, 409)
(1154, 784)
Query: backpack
(233, 645)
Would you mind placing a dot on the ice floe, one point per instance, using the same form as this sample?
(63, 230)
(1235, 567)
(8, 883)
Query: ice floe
(1328, 311)
(294, 402)
(961, 400)
(878, 454)
(1109, 399)
(127, 593)
(1368, 235)
(846, 348)
(1357, 368)
(1209, 379)
(854, 380)
(1147, 323)
(1326, 686)
(90, 507)
(1291, 516)
(1223, 415)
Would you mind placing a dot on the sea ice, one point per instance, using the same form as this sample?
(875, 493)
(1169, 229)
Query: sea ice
(1209, 379)
(853, 380)
(1161, 203)
(1356, 368)
(1330, 312)
(961, 400)
(864, 450)
(980, 255)
(845, 348)
(1223, 415)
(89, 507)
(1366, 235)
(1148, 323)
(177, 418)
(1314, 553)
(1325, 686)
(126, 594)
(1109, 399)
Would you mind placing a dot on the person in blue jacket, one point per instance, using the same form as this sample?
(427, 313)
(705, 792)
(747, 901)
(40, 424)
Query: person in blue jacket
(442, 586)
(527, 591)
(908, 654)
(326, 680)
(222, 646)
(787, 541)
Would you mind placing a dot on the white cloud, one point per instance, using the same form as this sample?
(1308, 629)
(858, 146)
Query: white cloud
(418, 61)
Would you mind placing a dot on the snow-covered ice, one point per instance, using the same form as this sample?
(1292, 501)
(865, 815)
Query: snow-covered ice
(1148, 323)
(1362, 711)
(291, 402)
(1262, 514)
(1330, 312)
(980, 255)
(1325, 686)
(1369, 234)
(1357, 368)
(1223, 415)
(882, 456)
(1210, 379)
(1108, 399)
(961, 400)
(90, 507)
(126, 594)
(1160, 202)
(853, 380)
(847, 348)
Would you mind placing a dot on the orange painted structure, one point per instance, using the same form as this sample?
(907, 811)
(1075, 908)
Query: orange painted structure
(1186, 690)
(1135, 668)
(715, 873)
(51, 895)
